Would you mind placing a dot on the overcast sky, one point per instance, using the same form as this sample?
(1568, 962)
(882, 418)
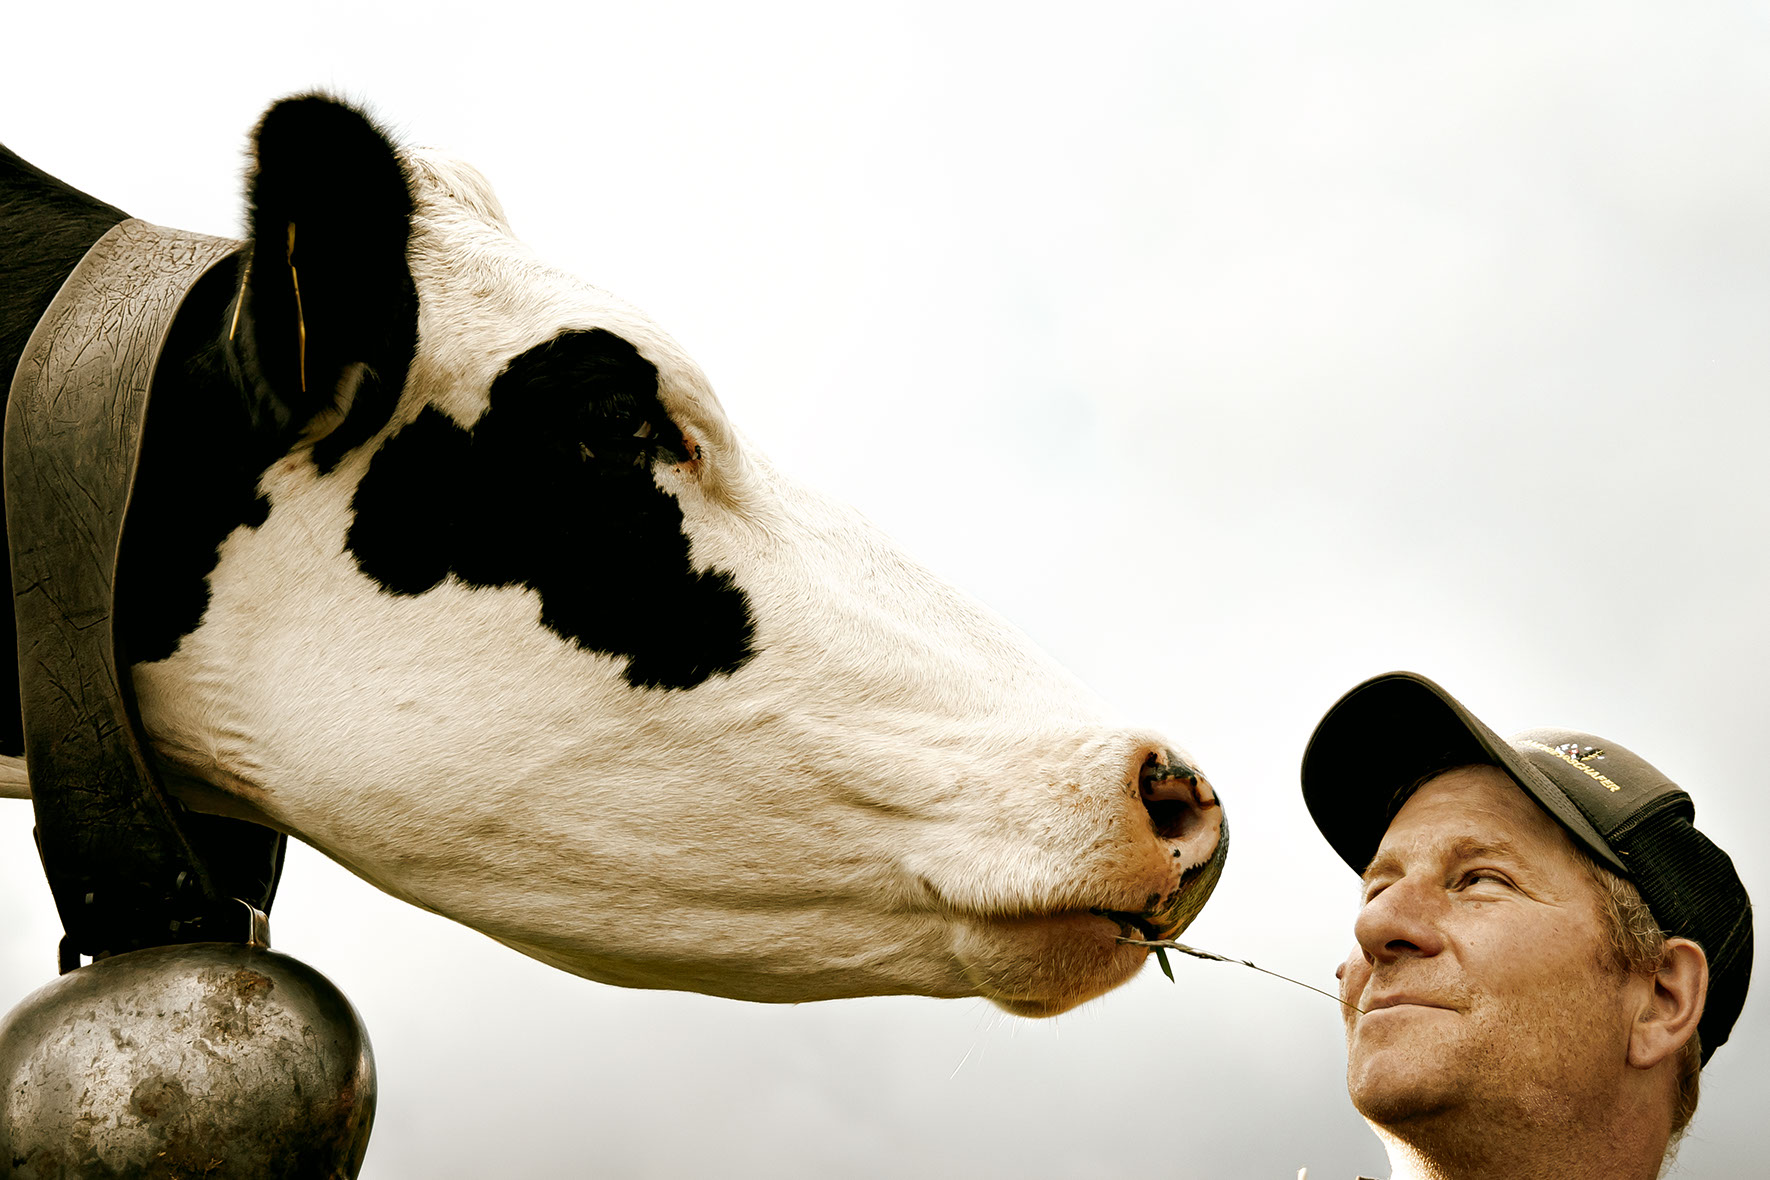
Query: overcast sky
(1236, 352)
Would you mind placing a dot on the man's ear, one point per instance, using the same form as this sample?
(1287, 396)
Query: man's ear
(327, 316)
(1673, 1009)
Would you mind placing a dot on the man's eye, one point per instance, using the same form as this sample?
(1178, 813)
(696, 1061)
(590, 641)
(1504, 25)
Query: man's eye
(1476, 876)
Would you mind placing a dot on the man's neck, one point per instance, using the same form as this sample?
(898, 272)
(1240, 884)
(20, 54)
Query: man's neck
(1623, 1141)
(1619, 1148)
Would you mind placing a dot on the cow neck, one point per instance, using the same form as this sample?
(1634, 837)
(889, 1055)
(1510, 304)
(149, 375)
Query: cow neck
(128, 867)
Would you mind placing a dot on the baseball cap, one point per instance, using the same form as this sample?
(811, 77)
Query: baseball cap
(1389, 734)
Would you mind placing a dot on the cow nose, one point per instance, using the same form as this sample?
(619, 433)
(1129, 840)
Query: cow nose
(1176, 796)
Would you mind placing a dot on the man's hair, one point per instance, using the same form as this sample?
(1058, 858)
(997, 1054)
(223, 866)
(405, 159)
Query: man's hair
(1638, 946)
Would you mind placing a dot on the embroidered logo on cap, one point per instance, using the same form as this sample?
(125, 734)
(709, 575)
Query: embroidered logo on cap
(1576, 756)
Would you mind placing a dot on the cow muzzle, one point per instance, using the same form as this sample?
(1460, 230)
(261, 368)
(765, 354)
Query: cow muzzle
(1185, 812)
(1189, 822)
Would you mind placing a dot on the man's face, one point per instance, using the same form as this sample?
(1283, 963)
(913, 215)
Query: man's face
(1481, 963)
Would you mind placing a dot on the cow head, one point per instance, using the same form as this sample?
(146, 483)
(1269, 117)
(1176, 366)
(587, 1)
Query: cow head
(507, 618)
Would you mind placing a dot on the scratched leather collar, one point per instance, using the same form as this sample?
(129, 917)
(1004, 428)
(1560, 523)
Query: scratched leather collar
(128, 866)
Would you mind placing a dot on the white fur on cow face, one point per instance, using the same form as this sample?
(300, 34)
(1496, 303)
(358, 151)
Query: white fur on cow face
(897, 793)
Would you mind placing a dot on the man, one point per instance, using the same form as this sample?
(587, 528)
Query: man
(1548, 950)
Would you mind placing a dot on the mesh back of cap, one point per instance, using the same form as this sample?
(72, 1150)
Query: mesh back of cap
(1695, 893)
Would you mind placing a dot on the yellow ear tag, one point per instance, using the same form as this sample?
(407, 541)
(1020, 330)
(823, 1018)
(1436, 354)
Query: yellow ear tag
(239, 300)
(300, 319)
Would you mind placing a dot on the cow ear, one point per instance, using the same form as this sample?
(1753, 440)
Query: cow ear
(327, 316)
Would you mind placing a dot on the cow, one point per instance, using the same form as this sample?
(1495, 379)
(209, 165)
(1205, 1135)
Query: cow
(452, 566)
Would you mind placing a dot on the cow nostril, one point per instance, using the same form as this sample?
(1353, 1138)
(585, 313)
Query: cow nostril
(1173, 820)
(1174, 794)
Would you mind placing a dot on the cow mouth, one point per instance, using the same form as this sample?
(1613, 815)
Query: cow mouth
(1040, 963)
(1133, 925)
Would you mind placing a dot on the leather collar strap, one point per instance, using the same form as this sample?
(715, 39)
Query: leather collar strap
(128, 866)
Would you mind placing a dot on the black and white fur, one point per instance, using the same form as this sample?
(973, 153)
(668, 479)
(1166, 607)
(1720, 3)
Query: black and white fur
(479, 592)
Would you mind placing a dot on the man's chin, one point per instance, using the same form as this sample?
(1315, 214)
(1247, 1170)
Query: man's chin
(1391, 1086)
(1398, 1106)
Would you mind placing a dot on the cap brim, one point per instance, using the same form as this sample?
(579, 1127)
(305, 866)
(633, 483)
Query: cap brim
(1386, 735)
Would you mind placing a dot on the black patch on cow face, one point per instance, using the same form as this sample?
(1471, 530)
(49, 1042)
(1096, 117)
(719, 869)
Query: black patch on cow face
(553, 489)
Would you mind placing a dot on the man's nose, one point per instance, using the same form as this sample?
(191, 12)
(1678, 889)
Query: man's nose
(1401, 921)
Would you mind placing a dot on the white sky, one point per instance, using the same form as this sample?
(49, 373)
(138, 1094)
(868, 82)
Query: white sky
(1236, 352)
